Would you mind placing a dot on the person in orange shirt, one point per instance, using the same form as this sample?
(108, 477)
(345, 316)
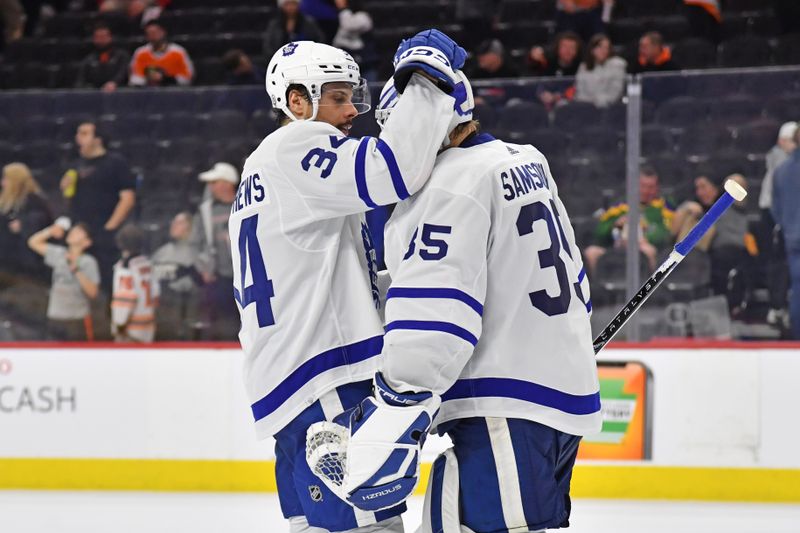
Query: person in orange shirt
(160, 62)
(136, 290)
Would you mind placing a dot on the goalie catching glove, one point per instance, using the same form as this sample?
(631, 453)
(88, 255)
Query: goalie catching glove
(369, 455)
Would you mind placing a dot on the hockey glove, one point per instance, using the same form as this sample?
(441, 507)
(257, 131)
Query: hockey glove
(369, 455)
(434, 53)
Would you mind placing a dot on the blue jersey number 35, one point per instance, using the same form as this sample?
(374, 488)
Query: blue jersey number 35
(260, 291)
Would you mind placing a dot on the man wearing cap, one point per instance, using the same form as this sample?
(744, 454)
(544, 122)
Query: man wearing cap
(785, 192)
(212, 243)
(771, 248)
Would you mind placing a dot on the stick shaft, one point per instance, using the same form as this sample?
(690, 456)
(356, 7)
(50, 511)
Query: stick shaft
(652, 283)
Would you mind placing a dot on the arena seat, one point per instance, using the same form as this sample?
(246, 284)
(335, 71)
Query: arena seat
(519, 117)
(735, 108)
(744, 51)
(694, 53)
(576, 115)
(756, 137)
(682, 111)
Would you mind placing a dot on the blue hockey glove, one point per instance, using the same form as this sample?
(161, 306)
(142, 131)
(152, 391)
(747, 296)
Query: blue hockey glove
(369, 455)
(434, 53)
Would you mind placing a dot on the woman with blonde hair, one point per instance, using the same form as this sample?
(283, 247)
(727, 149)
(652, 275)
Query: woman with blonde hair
(23, 212)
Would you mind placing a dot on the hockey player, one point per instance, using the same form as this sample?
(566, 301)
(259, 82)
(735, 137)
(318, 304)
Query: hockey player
(304, 267)
(489, 311)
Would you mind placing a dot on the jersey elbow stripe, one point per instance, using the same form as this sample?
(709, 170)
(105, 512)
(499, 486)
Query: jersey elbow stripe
(526, 391)
(430, 325)
(361, 173)
(394, 170)
(319, 364)
(435, 292)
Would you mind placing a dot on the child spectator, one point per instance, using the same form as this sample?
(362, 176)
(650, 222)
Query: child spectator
(601, 77)
(653, 234)
(160, 62)
(174, 263)
(563, 60)
(23, 212)
(75, 280)
(136, 290)
(106, 67)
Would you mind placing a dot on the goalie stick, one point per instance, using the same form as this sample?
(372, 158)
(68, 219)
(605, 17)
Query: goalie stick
(733, 193)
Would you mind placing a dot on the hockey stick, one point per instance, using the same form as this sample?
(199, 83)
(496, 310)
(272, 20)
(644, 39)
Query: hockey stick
(733, 193)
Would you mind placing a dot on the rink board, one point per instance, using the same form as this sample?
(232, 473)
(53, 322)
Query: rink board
(175, 418)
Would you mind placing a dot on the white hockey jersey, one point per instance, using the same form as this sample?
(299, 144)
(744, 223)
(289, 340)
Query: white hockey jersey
(303, 261)
(134, 300)
(489, 303)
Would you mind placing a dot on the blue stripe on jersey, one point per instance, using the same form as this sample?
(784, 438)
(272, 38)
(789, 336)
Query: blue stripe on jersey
(328, 360)
(388, 98)
(581, 275)
(361, 173)
(434, 292)
(430, 325)
(589, 306)
(394, 170)
(437, 486)
(525, 391)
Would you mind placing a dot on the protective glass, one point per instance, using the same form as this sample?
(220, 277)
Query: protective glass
(337, 94)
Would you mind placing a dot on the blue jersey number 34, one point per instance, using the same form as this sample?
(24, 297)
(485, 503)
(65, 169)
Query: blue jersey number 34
(260, 291)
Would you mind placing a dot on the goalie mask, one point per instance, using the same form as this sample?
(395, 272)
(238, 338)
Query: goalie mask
(313, 65)
(462, 110)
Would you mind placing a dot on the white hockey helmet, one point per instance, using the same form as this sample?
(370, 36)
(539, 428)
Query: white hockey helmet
(312, 65)
(462, 110)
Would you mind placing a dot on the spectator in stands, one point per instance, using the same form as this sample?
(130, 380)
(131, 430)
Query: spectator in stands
(785, 192)
(355, 36)
(325, 14)
(136, 290)
(771, 250)
(290, 25)
(584, 17)
(174, 263)
(106, 67)
(492, 62)
(563, 60)
(653, 235)
(23, 212)
(726, 242)
(241, 70)
(100, 190)
(136, 10)
(705, 19)
(75, 280)
(654, 56)
(212, 242)
(160, 62)
(12, 17)
(601, 77)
